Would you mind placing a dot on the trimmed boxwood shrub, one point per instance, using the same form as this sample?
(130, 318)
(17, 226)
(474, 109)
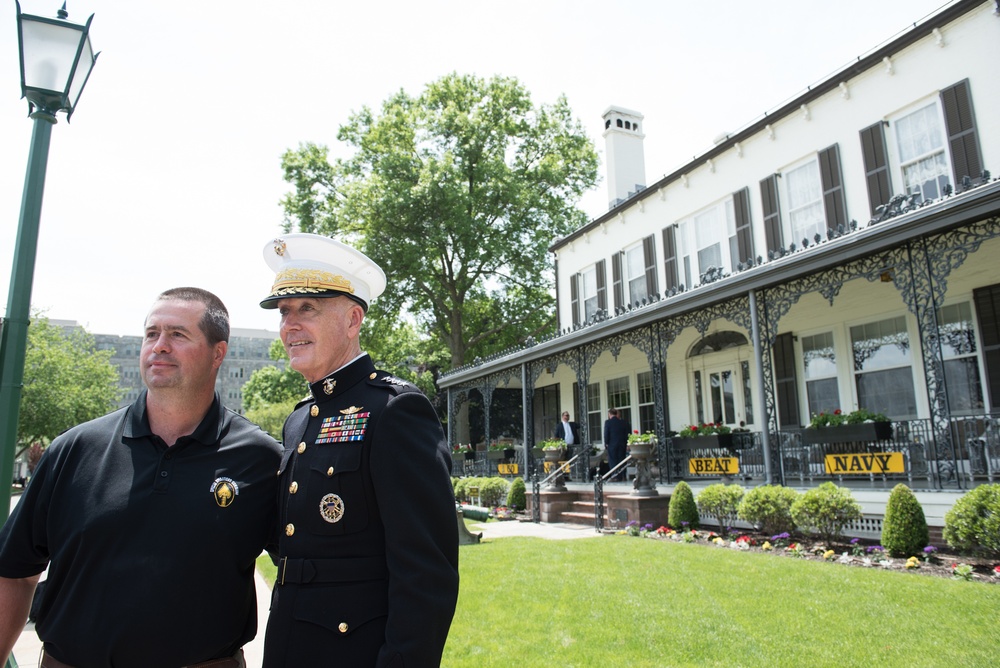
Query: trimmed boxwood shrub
(682, 508)
(825, 510)
(904, 528)
(516, 495)
(493, 491)
(973, 523)
(770, 508)
(720, 500)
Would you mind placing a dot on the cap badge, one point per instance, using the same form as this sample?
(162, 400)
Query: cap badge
(225, 491)
(331, 508)
(279, 247)
(328, 385)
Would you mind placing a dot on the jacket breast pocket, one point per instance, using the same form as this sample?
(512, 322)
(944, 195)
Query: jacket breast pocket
(337, 487)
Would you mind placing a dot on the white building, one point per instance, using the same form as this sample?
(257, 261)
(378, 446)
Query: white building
(837, 253)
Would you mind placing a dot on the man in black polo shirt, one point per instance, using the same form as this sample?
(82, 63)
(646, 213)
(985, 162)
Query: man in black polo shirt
(150, 518)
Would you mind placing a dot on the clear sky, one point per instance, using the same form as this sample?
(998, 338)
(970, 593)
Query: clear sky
(169, 173)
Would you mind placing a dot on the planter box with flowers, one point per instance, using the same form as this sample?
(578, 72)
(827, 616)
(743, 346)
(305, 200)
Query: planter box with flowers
(711, 435)
(860, 426)
(500, 452)
(463, 452)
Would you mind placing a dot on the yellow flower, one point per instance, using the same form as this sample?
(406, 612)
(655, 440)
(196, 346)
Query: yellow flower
(766, 546)
(913, 562)
(829, 554)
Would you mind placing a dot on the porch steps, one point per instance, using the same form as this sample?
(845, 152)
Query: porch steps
(582, 512)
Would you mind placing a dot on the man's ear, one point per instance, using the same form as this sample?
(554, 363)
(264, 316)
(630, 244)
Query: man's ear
(219, 354)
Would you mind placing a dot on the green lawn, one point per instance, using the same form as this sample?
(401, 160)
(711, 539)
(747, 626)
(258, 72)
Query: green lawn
(623, 601)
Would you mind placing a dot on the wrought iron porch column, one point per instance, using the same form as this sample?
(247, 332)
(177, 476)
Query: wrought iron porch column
(770, 417)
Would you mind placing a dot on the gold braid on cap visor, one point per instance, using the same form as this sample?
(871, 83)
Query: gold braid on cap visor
(310, 281)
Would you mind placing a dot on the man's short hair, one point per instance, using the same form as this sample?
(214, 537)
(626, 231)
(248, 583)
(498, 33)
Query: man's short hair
(215, 321)
(613, 412)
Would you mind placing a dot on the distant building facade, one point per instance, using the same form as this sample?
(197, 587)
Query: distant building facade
(248, 352)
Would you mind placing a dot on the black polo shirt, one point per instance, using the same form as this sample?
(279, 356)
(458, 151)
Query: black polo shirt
(151, 549)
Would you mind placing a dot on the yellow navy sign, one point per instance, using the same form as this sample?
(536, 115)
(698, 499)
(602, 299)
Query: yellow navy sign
(863, 463)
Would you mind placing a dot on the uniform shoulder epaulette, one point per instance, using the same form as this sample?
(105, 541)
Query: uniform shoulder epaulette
(388, 380)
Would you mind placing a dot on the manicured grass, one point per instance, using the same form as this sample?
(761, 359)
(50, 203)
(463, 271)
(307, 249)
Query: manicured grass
(267, 569)
(622, 601)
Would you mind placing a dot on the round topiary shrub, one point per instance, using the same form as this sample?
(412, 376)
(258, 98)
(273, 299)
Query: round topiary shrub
(770, 508)
(461, 489)
(492, 491)
(682, 513)
(826, 510)
(904, 528)
(722, 501)
(973, 523)
(516, 495)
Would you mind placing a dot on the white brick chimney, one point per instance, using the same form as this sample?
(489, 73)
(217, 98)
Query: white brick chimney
(623, 149)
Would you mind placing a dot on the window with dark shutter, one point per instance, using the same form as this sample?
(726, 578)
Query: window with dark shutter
(987, 302)
(785, 383)
(744, 233)
(963, 140)
(834, 202)
(873, 152)
(616, 280)
(574, 298)
(602, 287)
(772, 214)
(649, 256)
(669, 258)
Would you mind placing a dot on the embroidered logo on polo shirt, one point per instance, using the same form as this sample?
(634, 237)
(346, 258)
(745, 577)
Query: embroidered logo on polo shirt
(225, 491)
(343, 428)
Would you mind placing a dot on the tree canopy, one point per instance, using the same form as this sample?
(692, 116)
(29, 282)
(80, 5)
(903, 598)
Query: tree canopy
(66, 381)
(457, 193)
(272, 385)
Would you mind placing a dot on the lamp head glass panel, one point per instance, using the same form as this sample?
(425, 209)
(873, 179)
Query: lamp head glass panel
(56, 60)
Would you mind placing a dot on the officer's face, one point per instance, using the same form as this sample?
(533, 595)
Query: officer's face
(175, 352)
(320, 335)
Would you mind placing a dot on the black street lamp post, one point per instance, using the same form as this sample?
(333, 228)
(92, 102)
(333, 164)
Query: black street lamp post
(56, 60)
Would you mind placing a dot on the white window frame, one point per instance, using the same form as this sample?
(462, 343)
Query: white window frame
(801, 188)
(947, 355)
(940, 153)
(634, 273)
(588, 292)
(715, 225)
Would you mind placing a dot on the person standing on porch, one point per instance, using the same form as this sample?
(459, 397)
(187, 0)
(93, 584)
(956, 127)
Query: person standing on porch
(568, 431)
(616, 433)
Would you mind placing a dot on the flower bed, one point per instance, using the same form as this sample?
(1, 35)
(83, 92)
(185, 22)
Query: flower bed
(854, 552)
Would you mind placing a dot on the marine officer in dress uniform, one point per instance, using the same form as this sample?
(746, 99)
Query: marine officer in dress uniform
(368, 551)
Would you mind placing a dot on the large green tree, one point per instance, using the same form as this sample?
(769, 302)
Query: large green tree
(66, 381)
(457, 193)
